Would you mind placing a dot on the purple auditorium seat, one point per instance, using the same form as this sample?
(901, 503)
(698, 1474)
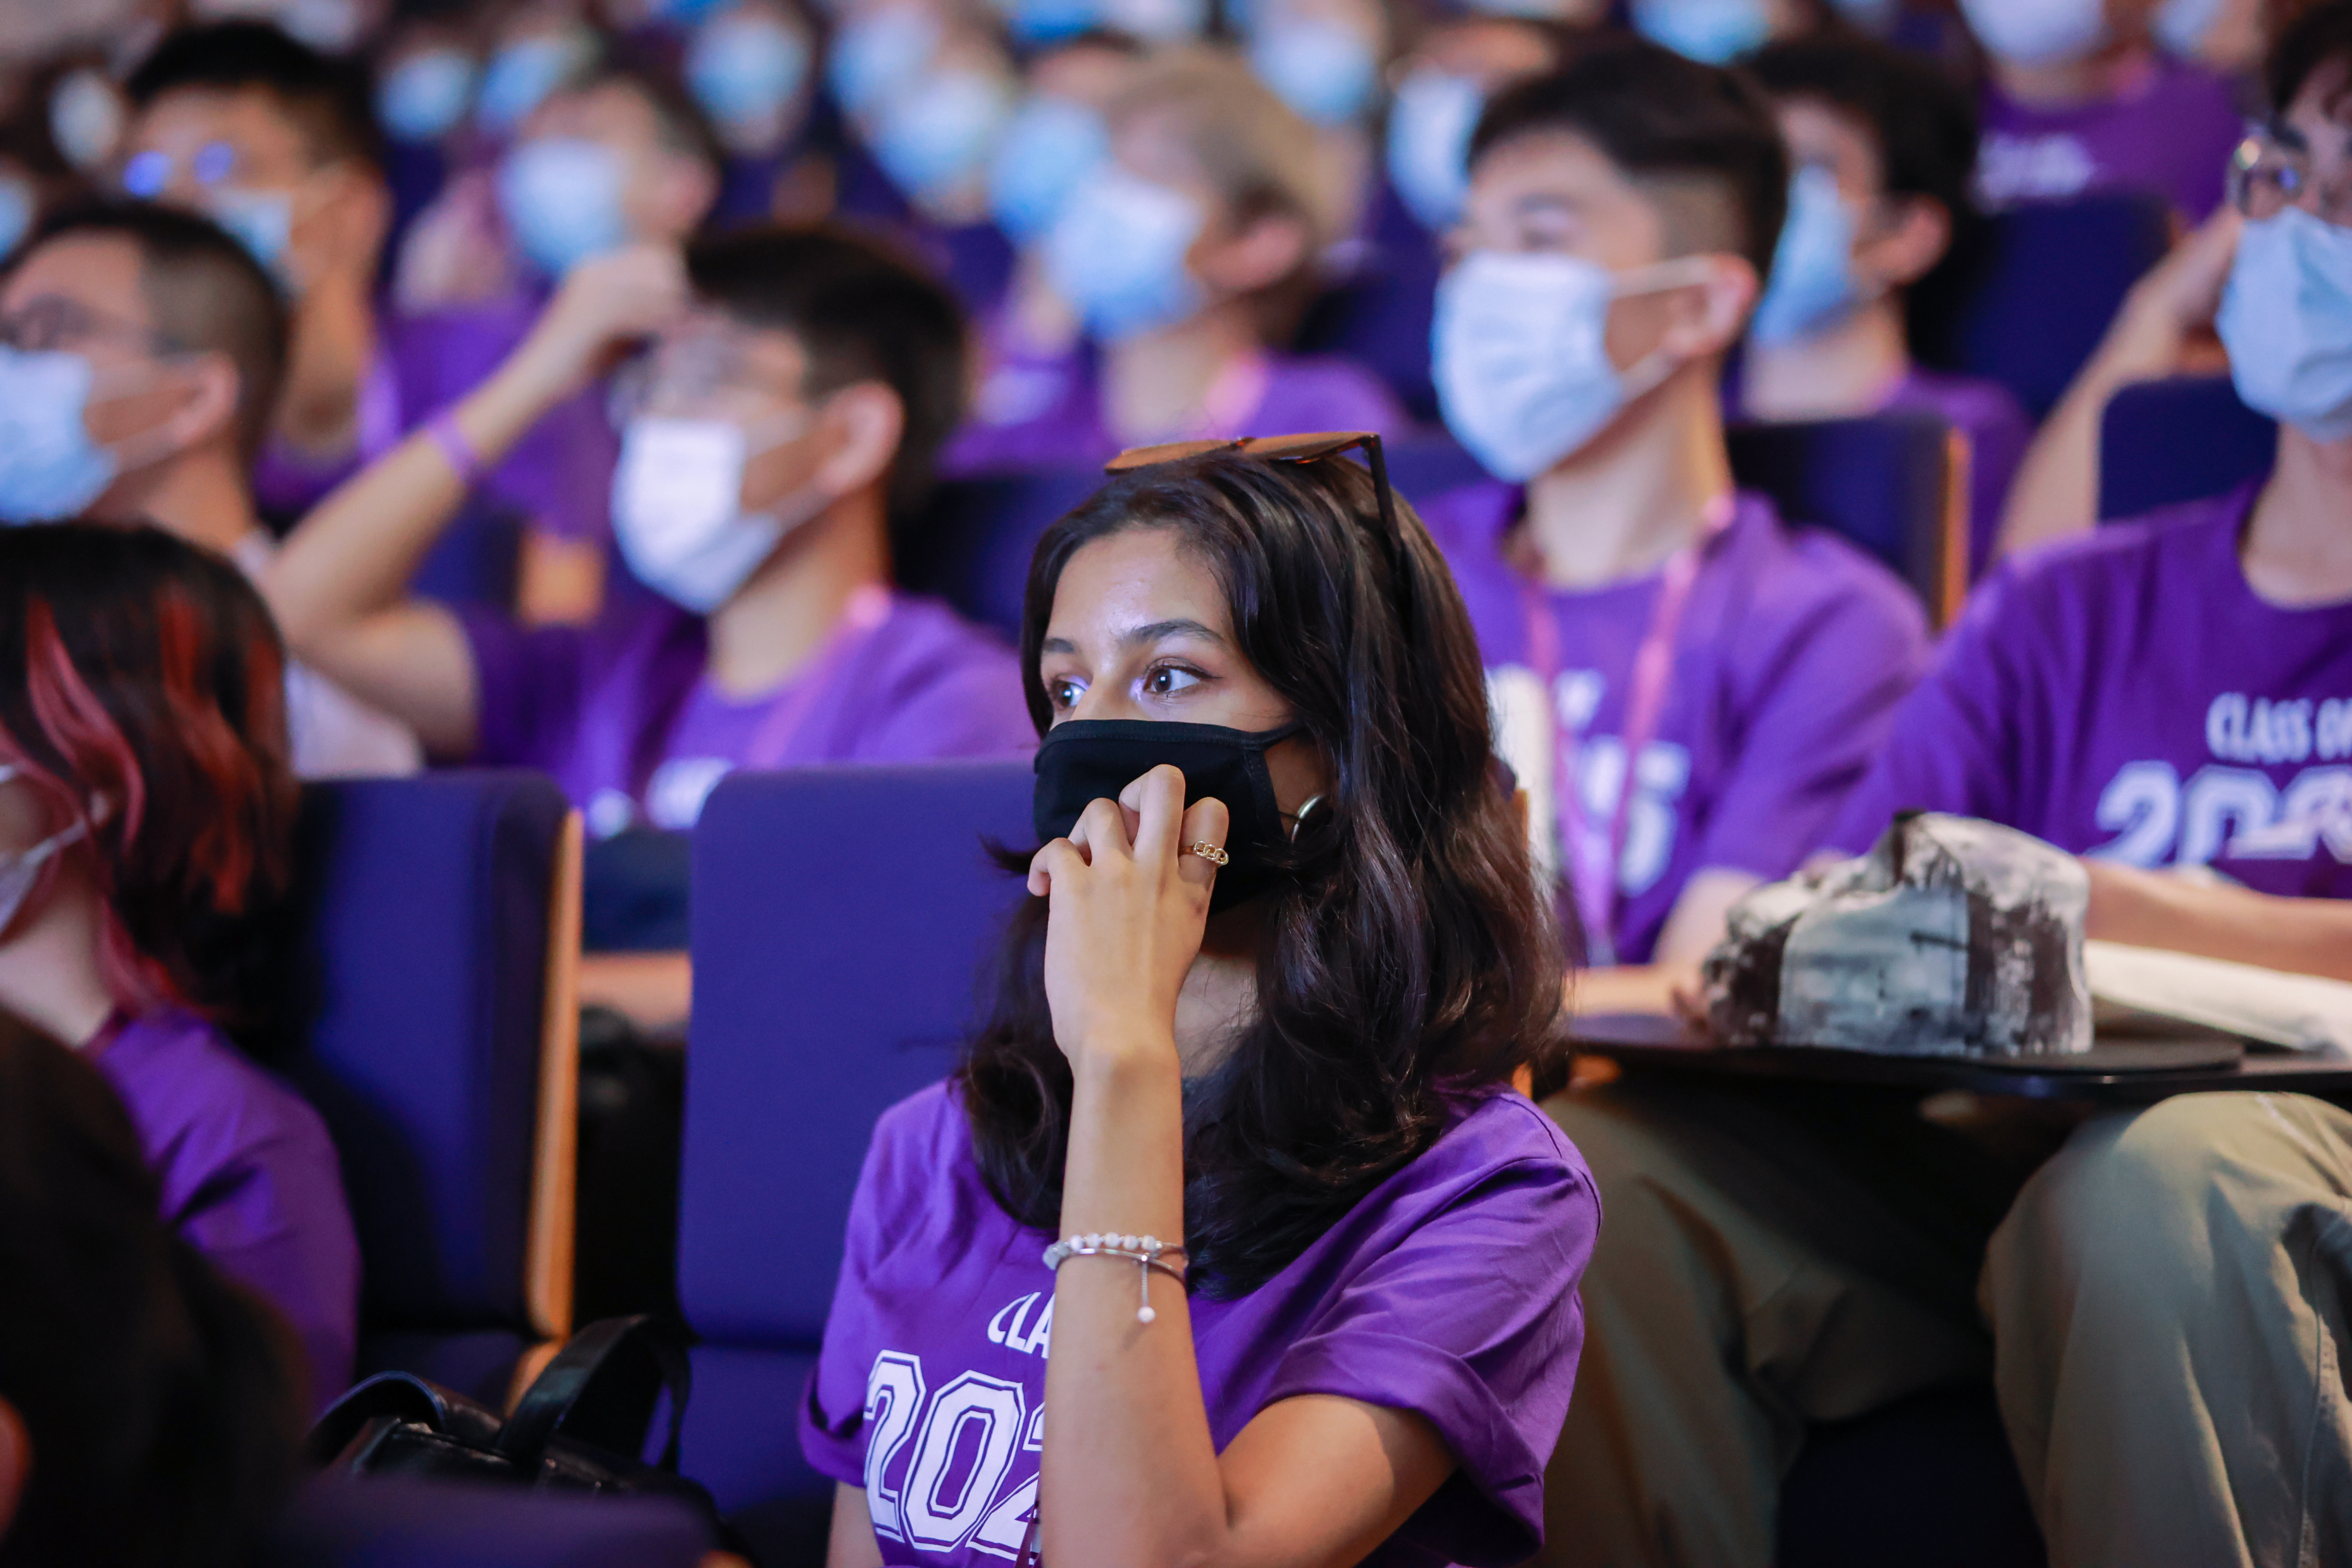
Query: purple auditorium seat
(389, 1523)
(2030, 291)
(1885, 484)
(426, 912)
(840, 917)
(2180, 439)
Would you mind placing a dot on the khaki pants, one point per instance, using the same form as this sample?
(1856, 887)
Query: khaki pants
(2167, 1293)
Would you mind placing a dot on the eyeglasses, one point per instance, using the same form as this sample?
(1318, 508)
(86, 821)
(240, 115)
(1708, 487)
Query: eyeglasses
(50, 322)
(2270, 173)
(1308, 449)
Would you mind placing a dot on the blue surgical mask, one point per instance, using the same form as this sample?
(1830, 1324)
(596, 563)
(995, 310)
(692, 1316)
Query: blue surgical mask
(425, 97)
(1051, 146)
(940, 133)
(879, 53)
(1521, 354)
(261, 221)
(1117, 254)
(523, 73)
(745, 68)
(2286, 321)
(1041, 22)
(686, 13)
(561, 198)
(1325, 71)
(18, 207)
(49, 468)
(2037, 32)
(2180, 26)
(1429, 125)
(1715, 31)
(1157, 21)
(1812, 283)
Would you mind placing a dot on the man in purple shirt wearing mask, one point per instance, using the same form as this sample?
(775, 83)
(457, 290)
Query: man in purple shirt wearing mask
(1628, 601)
(2088, 95)
(795, 388)
(2165, 1290)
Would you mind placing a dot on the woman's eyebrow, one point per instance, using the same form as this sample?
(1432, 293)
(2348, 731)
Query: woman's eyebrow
(1145, 635)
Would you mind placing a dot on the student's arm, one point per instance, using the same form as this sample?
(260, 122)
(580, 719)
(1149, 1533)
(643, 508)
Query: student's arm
(2216, 919)
(340, 587)
(851, 1543)
(1130, 1472)
(2057, 488)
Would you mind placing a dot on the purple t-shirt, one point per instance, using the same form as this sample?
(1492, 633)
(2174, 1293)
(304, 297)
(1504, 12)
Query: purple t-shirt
(1794, 650)
(559, 475)
(2170, 133)
(1449, 1291)
(2127, 695)
(1050, 411)
(626, 720)
(1997, 431)
(249, 1177)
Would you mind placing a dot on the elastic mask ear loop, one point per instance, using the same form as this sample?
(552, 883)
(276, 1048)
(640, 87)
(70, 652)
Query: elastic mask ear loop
(1645, 375)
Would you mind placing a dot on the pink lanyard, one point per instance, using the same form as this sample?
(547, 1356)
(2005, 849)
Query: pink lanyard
(1594, 871)
(861, 618)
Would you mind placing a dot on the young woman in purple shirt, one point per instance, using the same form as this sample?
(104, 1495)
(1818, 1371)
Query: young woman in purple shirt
(1313, 1298)
(146, 806)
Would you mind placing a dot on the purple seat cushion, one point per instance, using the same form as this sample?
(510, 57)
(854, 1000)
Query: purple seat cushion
(2182, 439)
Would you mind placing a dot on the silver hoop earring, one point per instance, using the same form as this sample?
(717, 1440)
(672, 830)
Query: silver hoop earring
(1298, 817)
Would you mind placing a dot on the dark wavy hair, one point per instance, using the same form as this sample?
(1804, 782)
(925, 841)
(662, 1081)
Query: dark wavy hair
(141, 669)
(165, 1403)
(1408, 960)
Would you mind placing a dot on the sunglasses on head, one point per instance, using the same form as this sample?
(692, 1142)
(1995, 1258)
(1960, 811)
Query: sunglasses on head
(1307, 448)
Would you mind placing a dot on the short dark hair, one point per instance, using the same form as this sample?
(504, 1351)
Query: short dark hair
(863, 312)
(326, 98)
(206, 293)
(677, 115)
(163, 1402)
(1655, 114)
(2320, 35)
(1923, 121)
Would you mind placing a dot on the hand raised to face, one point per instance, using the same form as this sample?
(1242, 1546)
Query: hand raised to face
(1129, 899)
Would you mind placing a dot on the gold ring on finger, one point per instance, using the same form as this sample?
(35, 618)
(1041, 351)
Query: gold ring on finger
(1213, 853)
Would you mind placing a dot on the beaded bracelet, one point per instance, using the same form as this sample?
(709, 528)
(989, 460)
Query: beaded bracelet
(1147, 1252)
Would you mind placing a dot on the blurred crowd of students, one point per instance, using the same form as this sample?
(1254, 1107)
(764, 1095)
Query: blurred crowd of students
(545, 383)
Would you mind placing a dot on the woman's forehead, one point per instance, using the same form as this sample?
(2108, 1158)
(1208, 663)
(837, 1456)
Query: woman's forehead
(1136, 578)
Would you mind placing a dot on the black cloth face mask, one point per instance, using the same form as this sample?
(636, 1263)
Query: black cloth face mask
(1081, 761)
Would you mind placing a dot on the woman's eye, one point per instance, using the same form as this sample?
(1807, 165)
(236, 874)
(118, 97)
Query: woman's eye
(1167, 679)
(1065, 694)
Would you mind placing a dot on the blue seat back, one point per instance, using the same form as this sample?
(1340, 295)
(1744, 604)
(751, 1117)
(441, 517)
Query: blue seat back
(842, 919)
(2164, 442)
(426, 906)
(2036, 287)
(1881, 483)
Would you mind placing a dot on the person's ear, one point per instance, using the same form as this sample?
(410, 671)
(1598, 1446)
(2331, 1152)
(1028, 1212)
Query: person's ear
(1912, 235)
(1262, 253)
(207, 409)
(16, 1464)
(1709, 316)
(862, 425)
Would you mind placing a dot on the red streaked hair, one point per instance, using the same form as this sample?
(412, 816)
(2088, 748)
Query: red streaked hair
(144, 696)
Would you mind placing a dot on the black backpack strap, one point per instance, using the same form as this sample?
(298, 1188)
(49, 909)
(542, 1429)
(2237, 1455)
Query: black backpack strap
(602, 1388)
(404, 1397)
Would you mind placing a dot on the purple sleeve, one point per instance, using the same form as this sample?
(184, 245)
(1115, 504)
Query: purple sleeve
(1473, 1322)
(893, 1180)
(530, 686)
(1822, 709)
(270, 1215)
(1949, 745)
